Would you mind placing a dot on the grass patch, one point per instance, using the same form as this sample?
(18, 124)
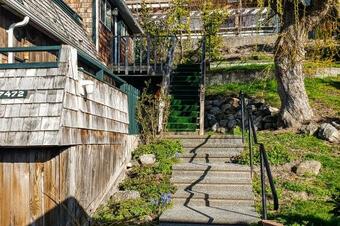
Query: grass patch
(322, 192)
(323, 93)
(247, 67)
(153, 184)
(263, 89)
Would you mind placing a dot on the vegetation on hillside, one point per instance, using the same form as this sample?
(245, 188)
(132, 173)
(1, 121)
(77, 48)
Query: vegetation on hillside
(304, 200)
(153, 184)
(323, 93)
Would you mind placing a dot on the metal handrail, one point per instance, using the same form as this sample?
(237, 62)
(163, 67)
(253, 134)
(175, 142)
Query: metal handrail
(264, 163)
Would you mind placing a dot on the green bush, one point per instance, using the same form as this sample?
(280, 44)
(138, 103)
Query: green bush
(166, 152)
(151, 187)
(123, 212)
(152, 182)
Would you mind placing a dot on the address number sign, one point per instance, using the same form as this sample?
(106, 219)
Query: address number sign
(13, 94)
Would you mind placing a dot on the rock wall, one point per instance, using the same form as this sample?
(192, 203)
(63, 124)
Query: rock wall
(223, 114)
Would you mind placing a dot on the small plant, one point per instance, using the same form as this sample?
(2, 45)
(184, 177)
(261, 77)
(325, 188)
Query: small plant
(134, 210)
(152, 182)
(152, 114)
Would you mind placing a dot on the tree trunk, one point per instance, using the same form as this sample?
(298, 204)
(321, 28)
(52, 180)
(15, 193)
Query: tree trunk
(289, 57)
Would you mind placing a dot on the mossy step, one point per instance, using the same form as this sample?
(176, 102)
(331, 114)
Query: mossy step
(188, 107)
(182, 119)
(183, 102)
(184, 113)
(182, 126)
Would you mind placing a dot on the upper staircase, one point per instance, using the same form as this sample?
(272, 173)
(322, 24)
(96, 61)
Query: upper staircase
(185, 93)
(211, 190)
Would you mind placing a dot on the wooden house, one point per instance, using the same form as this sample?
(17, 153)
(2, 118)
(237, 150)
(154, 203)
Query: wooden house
(67, 122)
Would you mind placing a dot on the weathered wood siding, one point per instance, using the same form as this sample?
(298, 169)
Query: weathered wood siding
(56, 112)
(58, 186)
(62, 153)
(25, 36)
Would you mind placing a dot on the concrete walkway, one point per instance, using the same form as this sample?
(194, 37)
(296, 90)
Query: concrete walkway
(210, 189)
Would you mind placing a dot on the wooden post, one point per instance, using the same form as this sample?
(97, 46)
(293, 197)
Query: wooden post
(148, 54)
(141, 54)
(202, 86)
(118, 53)
(127, 55)
(134, 54)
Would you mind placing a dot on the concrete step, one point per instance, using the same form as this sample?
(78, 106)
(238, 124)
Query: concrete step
(209, 167)
(204, 137)
(211, 202)
(238, 149)
(204, 215)
(208, 179)
(239, 191)
(209, 156)
(211, 153)
(207, 160)
(218, 174)
(210, 145)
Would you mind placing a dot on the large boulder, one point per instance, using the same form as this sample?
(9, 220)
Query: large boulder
(147, 159)
(309, 167)
(309, 129)
(125, 195)
(329, 132)
(273, 111)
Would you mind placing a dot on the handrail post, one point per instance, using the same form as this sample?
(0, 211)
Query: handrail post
(263, 187)
(250, 148)
(242, 114)
(202, 86)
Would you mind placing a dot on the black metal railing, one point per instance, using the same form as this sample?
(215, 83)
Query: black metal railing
(248, 125)
(141, 54)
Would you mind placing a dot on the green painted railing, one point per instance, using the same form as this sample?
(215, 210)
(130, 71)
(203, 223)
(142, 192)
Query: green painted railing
(133, 95)
(100, 72)
(25, 65)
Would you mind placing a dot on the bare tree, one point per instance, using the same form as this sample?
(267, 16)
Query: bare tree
(298, 17)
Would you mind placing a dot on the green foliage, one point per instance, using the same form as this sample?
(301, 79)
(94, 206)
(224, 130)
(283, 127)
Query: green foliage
(149, 25)
(293, 186)
(151, 187)
(263, 89)
(301, 213)
(149, 107)
(152, 182)
(123, 212)
(248, 67)
(213, 16)
(320, 205)
(323, 93)
(165, 152)
(178, 17)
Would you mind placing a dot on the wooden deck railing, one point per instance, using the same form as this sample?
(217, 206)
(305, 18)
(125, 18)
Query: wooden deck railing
(141, 55)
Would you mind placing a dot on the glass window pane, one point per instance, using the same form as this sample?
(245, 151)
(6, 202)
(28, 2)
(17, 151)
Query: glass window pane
(102, 10)
(108, 19)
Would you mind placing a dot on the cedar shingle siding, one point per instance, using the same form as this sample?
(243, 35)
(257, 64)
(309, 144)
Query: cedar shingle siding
(84, 8)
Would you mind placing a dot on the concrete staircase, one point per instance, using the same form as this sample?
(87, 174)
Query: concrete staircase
(211, 189)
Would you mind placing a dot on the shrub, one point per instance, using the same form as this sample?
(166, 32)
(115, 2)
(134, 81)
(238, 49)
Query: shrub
(123, 212)
(165, 151)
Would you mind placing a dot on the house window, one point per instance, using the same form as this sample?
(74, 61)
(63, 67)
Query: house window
(106, 13)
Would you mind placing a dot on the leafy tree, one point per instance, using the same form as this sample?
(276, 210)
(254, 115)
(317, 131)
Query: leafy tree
(178, 20)
(213, 16)
(298, 17)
